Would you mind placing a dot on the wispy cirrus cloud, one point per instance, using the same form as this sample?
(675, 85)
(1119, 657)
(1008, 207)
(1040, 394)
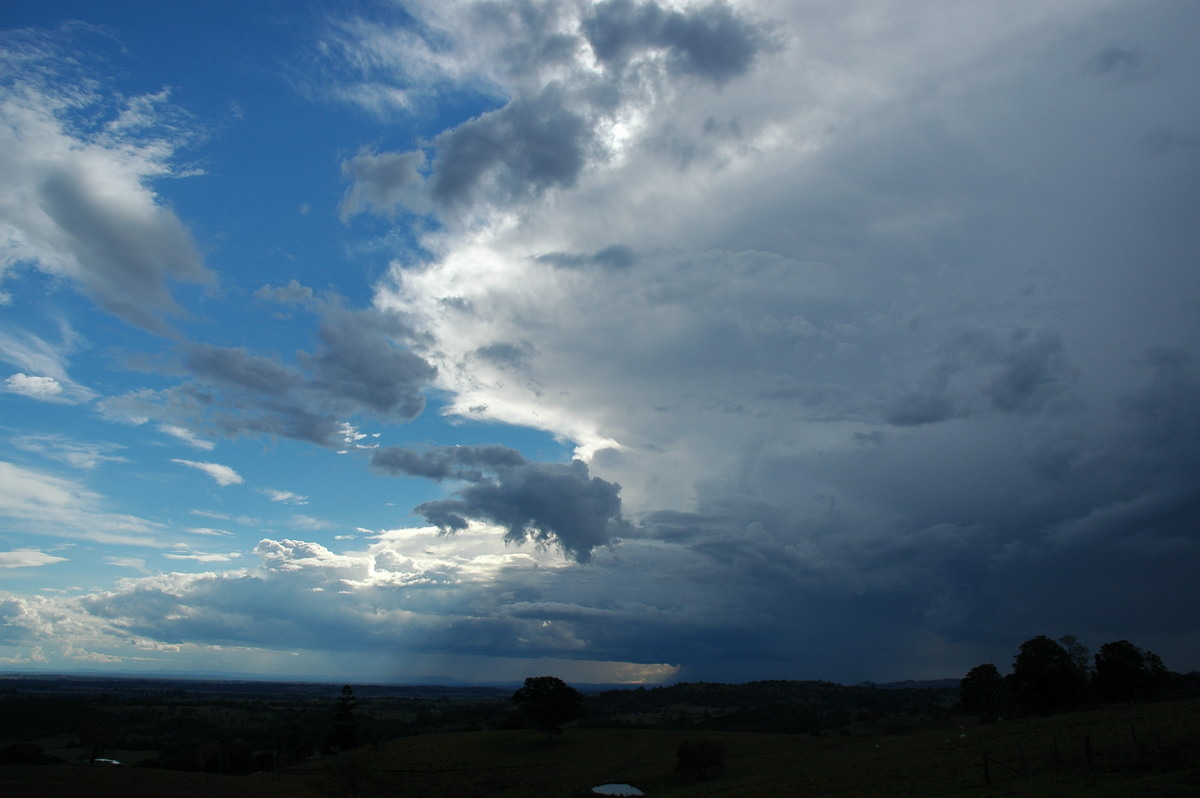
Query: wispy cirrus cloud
(200, 556)
(222, 474)
(44, 366)
(80, 454)
(50, 505)
(188, 437)
(285, 496)
(27, 558)
(209, 531)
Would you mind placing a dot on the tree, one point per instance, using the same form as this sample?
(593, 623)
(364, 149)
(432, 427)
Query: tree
(548, 702)
(1045, 676)
(96, 738)
(1125, 672)
(1081, 658)
(982, 690)
(345, 724)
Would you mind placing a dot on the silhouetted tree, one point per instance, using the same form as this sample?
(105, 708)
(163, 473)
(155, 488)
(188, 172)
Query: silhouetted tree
(1125, 672)
(699, 757)
(548, 702)
(96, 738)
(345, 725)
(982, 691)
(1081, 658)
(1045, 677)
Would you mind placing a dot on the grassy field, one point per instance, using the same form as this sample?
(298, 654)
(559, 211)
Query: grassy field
(1148, 750)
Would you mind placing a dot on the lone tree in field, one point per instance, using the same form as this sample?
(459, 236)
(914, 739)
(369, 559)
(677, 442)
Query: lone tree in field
(548, 702)
(345, 724)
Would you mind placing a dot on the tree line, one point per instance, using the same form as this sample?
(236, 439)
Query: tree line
(1049, 675)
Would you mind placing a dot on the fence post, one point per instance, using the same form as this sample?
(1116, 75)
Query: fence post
(987, 776)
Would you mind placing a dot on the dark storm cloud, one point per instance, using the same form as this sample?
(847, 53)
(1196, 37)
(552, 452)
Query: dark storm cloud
(521, 150)
(530, 32)
(615, 256)
(361, 366)
(506, 355)
(1165, 410)
(1116, 58)
(236, 368)
(126, 255)
(542, 503)
(238, 416)
(360, 361)
(710, 42)
(452, 462)
(981, 370)
(544, 137)
(1165, 140)
(380, 181)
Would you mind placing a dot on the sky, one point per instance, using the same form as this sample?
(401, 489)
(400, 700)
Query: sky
(622, 341)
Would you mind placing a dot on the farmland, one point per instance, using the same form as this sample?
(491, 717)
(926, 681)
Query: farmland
(910, 743)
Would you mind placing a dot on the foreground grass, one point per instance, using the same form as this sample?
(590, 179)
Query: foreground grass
(1148, 750)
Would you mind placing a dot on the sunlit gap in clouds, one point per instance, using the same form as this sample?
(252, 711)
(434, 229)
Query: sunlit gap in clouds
(491, 581)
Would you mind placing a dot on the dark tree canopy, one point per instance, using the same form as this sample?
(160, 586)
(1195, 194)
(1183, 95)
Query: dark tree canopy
(548, 702)
(1125, 672)
(982, 690)
(1080, 657)
(1046, 676)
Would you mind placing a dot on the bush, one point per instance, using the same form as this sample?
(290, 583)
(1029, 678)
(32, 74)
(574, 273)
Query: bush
(699, 757)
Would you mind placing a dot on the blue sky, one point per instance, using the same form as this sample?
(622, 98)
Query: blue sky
(625, 341)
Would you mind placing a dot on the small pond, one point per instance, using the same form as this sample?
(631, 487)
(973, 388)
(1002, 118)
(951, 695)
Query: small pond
(616, 789)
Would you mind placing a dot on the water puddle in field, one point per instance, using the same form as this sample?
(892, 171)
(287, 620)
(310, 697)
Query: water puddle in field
(616, 789)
